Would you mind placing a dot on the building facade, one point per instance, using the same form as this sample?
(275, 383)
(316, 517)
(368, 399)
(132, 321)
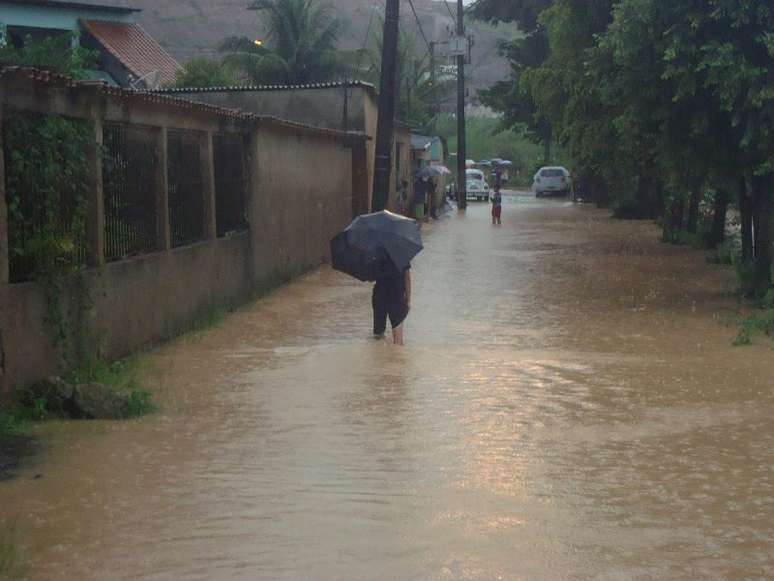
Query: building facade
(127, 56)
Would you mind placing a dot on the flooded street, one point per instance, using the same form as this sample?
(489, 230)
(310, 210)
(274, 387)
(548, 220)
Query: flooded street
(568, 406)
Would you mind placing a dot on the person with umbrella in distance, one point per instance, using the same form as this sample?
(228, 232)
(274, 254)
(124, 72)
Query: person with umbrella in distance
(379, 248)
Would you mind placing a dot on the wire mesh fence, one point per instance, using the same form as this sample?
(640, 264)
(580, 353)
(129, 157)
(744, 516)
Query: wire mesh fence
(130, 185)
(230, 184)
(185, 187)
(47, 180)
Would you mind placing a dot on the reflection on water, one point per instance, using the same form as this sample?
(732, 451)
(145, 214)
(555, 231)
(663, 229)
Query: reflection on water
(567, 406)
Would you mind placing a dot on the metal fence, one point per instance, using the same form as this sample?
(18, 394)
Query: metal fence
(230, 184)
(186, 187)
(130, 184)
(46, 178)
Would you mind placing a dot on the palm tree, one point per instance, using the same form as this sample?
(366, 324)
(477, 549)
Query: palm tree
(302, 35)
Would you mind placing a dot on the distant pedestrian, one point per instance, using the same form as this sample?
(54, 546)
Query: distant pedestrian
(431, 198)
(497, 178)
(392, 299)
(402, 198)
(497, 207)
(420, 191)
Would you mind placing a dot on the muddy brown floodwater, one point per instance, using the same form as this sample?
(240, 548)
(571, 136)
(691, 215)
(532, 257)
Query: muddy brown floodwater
(568, 406)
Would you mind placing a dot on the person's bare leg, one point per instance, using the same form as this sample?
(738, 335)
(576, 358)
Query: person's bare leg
(397, 335)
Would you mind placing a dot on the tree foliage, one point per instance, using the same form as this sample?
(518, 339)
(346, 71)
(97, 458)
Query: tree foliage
(665, 106)
(47, 179)
(301, 47)
(205, 73)
(525, 12)
(61, 54)
(512, 97)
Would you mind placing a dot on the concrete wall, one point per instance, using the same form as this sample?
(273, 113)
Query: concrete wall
(137, 302)
(300, 202)
(299, 196)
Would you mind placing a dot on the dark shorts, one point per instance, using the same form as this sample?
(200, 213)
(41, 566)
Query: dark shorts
(389, 300)
(497, 211)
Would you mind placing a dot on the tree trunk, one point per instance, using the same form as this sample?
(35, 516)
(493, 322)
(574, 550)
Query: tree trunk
(717, 235)
(693, 209)
(650, 201)
(673, 220)
(547, 150)
(763, 196)
(746, 216)
(597, 189)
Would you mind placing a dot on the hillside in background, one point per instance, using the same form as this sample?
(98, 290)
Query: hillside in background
(193, 28)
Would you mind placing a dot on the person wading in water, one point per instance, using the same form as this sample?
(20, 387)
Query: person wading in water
(392, 299)
(497, 206)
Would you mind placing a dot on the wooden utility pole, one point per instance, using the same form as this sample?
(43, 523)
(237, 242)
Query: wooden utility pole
(385, 127)
(433, 92)
(462, 182)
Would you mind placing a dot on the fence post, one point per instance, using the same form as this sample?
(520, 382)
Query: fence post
(95, 223)
(164, 241)
(208, 163)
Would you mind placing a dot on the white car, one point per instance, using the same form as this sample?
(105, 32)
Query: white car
(552, 180)
(478, 189)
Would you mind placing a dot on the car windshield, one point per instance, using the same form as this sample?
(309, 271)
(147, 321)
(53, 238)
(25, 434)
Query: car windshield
(474, 174)
(552, 173)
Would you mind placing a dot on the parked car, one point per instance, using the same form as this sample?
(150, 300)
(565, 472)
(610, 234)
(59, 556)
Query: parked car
(552, 180)
(478, 189)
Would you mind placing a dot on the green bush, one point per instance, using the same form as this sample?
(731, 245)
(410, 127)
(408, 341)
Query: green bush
(727, 252)
(122, 376)
(12, 422)
(761, 322)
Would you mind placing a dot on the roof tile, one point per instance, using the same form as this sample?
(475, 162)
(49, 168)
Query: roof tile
(134, 48)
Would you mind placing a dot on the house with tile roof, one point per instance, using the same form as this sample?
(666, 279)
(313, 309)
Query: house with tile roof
(128, 56)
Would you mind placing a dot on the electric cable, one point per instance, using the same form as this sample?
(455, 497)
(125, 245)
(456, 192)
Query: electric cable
(446, 3)
(419, 25)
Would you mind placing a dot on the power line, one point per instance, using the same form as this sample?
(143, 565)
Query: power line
(445, 3)
(419, 25)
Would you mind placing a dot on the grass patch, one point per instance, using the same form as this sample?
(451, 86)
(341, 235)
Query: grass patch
(12, 565)
(761, 323)
(119, 386)
(726, 253)
(122, 376)
(13, 422)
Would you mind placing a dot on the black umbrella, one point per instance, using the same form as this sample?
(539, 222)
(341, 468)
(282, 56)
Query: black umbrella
(376, 246)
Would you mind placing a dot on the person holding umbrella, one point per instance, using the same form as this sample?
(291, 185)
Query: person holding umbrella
(379, 248)
(391, 298)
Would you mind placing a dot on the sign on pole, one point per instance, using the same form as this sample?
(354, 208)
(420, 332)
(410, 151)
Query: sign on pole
(458, 46)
